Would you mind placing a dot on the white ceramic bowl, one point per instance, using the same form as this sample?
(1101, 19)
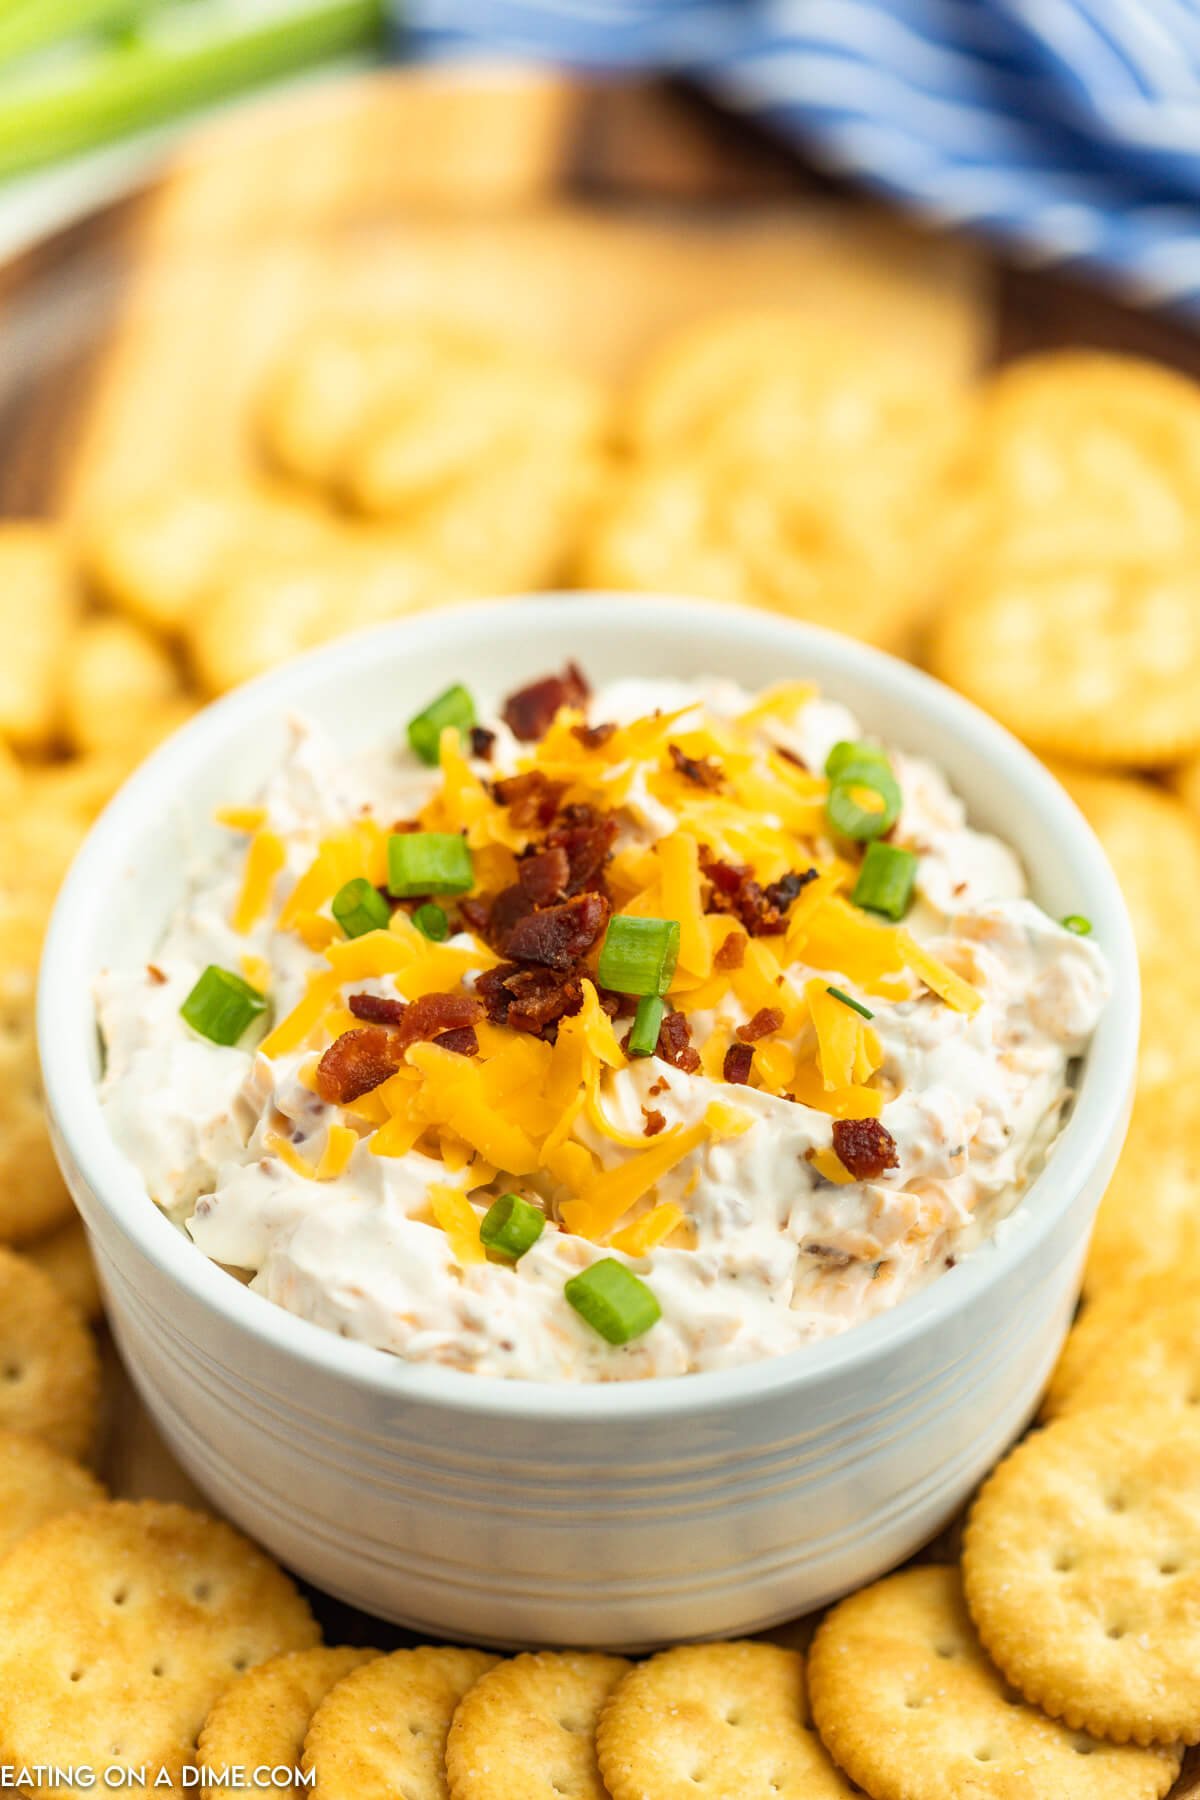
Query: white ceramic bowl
(625, 1514)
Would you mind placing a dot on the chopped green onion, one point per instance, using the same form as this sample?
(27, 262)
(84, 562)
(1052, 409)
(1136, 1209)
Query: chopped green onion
(428, 862)
(845, 754)
(1078, 924)
(886, 881)
(221, 1005)
(511, 1226)
(857, 783)
(359, 908)
(613, 1301)
(454, 707)
(432, 922)
(638, 956)
(854, 1005)
(643, 1039)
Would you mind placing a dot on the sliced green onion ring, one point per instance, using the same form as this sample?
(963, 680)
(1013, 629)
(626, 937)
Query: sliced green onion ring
(511, 1226)
(358, 908)
(222, 1005)
(428, 862)
(1076, 922)
(613, 1301)
(432, 922)
(638, 956)
(647, 1022)
(454, 707)
(886, 881)
(864, 802)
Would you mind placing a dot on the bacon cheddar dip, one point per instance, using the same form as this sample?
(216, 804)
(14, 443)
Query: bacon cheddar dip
(620, 1035)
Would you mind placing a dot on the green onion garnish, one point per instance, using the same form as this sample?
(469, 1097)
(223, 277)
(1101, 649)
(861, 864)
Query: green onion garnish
(854, 1005)
(638, 956)
(886, 881)
(432, 922)
(511, 1226)
(613, 1301)
(864, 801)
(454, 707)
(846, 754)
(1078, 924)
(643, 1039)
(359, 908)
(221, 1005)
(428, 862)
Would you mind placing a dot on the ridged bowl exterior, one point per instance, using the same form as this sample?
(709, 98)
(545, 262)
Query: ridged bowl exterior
(622, 1515)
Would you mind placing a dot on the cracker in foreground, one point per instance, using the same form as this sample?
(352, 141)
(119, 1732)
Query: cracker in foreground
(120, 1626)
(1093, 660)
(1149, 1218)
(262, 1720)
(382, 1730)
(527, 1730)
(36, 1484)
(1081, 1567)
(65, 1256)
(49, 1369)
(911, 1708)
(114, 677)
(1150, 1358)
(715, 1721)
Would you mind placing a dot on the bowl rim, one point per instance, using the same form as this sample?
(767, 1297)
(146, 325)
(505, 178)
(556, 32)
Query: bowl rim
(79, 1127)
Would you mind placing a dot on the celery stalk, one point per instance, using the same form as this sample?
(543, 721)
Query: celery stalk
(185, 56)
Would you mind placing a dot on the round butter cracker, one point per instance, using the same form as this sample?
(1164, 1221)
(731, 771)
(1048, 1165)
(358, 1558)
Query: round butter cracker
(263, 1719)
(718, 1722)
(1100, 1321)
(382, 1730)
(120, 1626)
(527, 1730)
(1081, 1568)
(49, 1368)
(36, 1484)
(1149, 1217)
(1151, 1358)
(66, 1257)
(1093, 660)
(910, 1707)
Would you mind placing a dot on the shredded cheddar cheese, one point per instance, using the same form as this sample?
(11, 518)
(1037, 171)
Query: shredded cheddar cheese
(264, 860)
(460, 1222)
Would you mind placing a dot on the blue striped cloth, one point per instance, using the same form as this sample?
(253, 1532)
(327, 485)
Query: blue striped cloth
(1067, 129)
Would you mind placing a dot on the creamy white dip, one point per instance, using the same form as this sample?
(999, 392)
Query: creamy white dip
(773, 1255)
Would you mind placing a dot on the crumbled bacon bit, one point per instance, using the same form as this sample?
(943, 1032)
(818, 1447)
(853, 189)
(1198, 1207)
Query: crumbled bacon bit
(734, 890)
(593, 737)
(462, 1040)
(532, 1000)
(156, 975)
(435, 1014)
(732, 952)
(558, 937)
(530, 712)
(405, 825)
(475, 914)
(675, 1043)
(377, 1009)
(655, 1121)
(865, 1147)
(532, 799)
(482, 742)
(791, 756)
(356, 1062)
(587, 837)
(660, 1087)
(765, 1020)
(543, 877)
(702, 771)
(738, 1059)
(508, 908)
